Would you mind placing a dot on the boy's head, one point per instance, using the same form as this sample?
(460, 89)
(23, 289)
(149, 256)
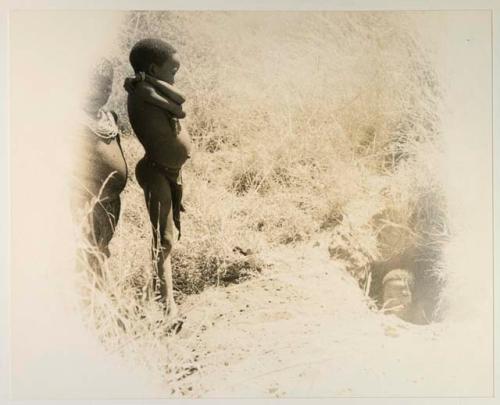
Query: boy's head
(156, 58)
(100, 86)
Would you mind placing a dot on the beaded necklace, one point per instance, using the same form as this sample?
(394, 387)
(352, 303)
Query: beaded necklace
(104, 125)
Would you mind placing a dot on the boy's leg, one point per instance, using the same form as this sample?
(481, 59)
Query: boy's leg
(159, 203)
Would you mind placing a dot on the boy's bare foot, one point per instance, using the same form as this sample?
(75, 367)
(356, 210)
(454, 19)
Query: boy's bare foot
(167, 327)
(173, 319)
(174, 326)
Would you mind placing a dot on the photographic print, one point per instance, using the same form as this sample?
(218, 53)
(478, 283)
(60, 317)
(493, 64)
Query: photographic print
(251, 204)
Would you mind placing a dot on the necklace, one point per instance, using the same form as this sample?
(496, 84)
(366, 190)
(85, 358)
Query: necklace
(104, 125)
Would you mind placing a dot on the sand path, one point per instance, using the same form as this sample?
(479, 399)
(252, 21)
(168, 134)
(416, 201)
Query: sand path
(303, 329)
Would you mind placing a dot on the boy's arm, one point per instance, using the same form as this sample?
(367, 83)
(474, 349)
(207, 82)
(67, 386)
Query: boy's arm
(166, 89)
(151, 96)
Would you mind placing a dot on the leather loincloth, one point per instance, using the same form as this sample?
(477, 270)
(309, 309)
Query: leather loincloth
(174, 179)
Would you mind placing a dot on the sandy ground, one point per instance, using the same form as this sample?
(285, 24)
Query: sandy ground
(303, 329)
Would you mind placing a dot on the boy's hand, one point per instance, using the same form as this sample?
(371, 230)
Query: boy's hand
(130, 82)
(129, 85)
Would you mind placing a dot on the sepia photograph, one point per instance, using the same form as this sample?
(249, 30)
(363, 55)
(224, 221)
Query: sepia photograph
(288, 204)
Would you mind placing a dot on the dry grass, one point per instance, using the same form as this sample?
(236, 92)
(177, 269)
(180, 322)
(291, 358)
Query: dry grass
(302, 123)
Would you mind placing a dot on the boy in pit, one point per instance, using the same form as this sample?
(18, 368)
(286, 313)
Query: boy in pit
(154, 108)
(398, 298)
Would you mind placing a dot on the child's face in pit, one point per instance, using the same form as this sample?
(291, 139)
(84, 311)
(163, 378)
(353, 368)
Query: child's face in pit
(167, 70)
(397, 295)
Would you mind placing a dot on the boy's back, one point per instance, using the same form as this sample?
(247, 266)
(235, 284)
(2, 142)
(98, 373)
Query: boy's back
(157, 130)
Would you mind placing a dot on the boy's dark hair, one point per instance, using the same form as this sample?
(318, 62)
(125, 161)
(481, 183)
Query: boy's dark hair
(148, 51)
(399, 274)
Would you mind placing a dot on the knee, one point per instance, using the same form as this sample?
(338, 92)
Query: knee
(166, 245)
(163, 245)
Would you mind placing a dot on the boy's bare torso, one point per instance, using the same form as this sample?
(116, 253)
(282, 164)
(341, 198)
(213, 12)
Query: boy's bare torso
(157, 131)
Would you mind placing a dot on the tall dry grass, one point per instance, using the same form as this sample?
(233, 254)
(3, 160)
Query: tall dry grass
(303, 123)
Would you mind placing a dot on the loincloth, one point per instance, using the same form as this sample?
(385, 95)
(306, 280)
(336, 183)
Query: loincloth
(174, 180)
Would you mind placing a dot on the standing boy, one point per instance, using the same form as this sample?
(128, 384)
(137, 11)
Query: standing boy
(154, 108)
